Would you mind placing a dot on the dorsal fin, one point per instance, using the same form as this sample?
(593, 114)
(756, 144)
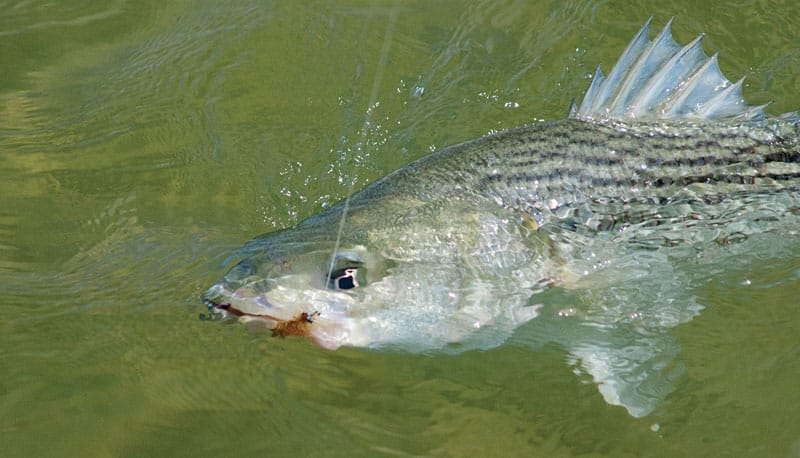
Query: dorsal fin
(659, 79)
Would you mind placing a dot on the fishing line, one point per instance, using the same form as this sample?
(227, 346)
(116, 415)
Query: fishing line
(376, 83)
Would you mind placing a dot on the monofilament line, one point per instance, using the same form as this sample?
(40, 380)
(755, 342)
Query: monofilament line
(376, 83)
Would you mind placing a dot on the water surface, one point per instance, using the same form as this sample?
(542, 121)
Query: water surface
(141, 142)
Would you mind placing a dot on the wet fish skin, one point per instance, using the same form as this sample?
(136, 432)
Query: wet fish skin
(609, 173)
(451, 252)
(568, 161)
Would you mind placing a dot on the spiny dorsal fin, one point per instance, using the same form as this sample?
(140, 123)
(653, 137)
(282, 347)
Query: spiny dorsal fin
(659, 79)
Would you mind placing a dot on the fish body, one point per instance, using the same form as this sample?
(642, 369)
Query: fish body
(460, 248)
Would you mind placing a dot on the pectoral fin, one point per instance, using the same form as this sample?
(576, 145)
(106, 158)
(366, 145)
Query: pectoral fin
(637, 376)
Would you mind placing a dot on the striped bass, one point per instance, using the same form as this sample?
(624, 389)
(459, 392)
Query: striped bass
(663, 160)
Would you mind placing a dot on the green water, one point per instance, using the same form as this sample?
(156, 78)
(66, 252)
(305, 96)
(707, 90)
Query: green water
(142, 142)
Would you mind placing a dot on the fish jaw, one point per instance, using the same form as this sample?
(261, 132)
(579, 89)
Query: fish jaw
(323, 318)
(329, 334)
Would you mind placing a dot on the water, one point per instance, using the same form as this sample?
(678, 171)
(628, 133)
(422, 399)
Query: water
(141, 143)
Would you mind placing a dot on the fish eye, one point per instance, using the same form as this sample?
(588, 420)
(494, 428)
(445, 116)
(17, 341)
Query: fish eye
(344, 269)
(344, 279)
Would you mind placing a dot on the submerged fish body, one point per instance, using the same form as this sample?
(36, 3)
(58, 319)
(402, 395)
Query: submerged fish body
(458, 249)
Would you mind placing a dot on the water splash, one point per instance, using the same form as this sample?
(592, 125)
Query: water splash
(387, 41)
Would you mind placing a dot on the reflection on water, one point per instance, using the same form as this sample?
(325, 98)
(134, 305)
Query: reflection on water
(141, 143)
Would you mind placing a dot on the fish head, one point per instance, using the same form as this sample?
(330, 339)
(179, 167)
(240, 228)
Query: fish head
(432, 282)
(297, 283)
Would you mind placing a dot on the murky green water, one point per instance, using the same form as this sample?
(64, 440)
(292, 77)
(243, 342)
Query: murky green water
(141, 142)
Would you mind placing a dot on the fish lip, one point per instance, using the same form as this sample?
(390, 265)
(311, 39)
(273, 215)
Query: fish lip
(213, 305)
(226, 310)
(216, 299)
(280, 327)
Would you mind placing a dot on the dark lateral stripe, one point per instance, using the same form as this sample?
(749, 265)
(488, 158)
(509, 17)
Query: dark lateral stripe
(719, 178)
(608, 221)
(539, 158)
(561, 175)
(781, 176)
(748, 156)
(783, 156)
(709, 178)
(578, 176)
(711, 199)
(744, 157)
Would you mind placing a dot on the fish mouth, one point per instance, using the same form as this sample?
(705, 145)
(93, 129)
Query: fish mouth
(322, 329)
(298, 325)
(216, 299)
(221, 308)
(227, 311)
(226, 308)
